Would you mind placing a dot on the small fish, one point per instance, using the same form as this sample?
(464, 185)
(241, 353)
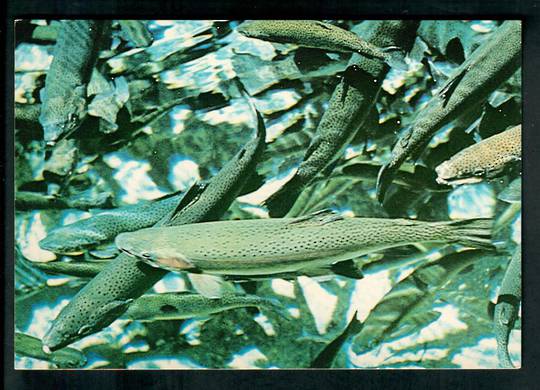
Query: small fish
(507, 308)
(407, 300)
(125, 278)
(29, 346)
(320, 35)
(497, 59)
(88, 233)
(350, 106)
(64, 95)
(182, 305)
(268, 246)
(82, 269)
(485, 159)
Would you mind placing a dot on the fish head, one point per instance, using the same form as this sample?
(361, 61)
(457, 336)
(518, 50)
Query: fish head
(450, 173)
(70, 327)
(152, 249)
(254, 29)
(69, 240)
(63, 114)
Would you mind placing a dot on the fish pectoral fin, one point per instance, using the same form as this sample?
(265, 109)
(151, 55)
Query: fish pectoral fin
(448, 89)
(210, 286)
(320, 217)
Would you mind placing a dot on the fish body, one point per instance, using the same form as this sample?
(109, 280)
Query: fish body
(507, 308)
(29, 346)
(175, 306)
(87, 233)
(125, 278)
(485, 159)
(351, 102)
(64, 95)
(485, 69)
(268, 246)
(314, 34)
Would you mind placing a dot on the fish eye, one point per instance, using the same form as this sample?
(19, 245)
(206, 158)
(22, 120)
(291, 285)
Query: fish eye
(146, 255)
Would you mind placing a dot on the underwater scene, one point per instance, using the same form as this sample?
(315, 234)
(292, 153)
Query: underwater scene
(267, 194)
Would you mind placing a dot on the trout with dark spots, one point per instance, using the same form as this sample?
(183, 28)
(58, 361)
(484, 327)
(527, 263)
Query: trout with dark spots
(182, 305)
(64, 96)
(320, 35)
(29, 346)
(90, 232)
(124, 279)
(498, 58)
(485, 159)
(276, 245)
(351, 102)
(507, 308)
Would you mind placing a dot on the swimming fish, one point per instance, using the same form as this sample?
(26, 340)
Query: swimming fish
(125, 278)
(268, 246)
(319, 35)
(487, 67)
(351, 102)
(182, 305)
(64, 95)
(83, 269)
(87, 233)
(485, 159)
(507, 308)
(29, 346)
(406, 301)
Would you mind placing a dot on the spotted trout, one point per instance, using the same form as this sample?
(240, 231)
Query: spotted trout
(182, 305)
(320, 35)
(275, 245)
(64, 95)
(88, 233)
(352, 100)
(124, 279)
(485, 159)
(487, 67)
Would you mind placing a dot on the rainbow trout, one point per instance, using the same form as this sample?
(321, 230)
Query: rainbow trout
(64, 95)
(486, 68)
(507, 308)
(124, 279)
(182, 305)
(352, 100)
(269, 246)
(29, 346)
(90, 232)
(81, 269)
(320, 35)
(485, 159)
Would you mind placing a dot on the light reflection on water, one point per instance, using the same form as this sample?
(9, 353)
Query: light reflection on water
(207, 74)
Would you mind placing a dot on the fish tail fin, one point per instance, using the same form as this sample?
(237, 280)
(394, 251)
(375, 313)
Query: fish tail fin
(395, 57)
(474, 233)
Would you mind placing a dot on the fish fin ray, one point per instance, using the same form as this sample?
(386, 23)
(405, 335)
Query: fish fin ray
(320, 217)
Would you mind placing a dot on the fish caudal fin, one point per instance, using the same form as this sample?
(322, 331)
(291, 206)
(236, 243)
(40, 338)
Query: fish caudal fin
(474, 233)
(395, 57)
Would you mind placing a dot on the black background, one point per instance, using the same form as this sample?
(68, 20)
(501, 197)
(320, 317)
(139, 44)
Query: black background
(527, 377)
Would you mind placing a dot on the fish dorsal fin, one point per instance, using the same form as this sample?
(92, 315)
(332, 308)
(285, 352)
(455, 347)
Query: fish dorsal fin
(320, 217)
(324, 25)
(448, 89)
(191, 196)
